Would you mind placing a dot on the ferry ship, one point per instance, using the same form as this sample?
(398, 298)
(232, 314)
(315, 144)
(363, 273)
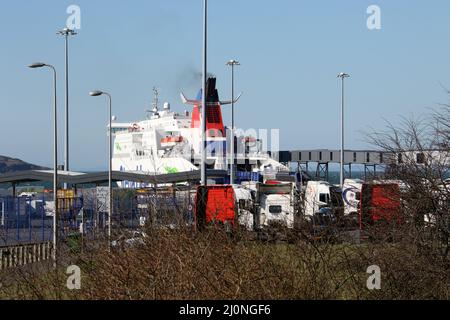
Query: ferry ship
(170, 142)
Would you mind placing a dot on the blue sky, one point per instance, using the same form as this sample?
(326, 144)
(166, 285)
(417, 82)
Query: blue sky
(290, 50)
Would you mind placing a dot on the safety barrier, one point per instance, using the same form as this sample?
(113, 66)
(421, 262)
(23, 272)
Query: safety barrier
(25, 220)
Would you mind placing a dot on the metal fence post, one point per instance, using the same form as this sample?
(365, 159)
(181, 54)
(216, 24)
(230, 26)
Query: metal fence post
(43, 218)
(29, 220)
(6, 221)
(18, 219)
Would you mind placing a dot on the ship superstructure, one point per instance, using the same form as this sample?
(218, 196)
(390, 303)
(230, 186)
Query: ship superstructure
(170, 142)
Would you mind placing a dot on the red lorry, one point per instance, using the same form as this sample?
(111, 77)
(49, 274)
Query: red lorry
(380, 202)
(215, 205)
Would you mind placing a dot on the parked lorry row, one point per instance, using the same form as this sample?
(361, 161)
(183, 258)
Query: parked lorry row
(254, 206)
(260, 206)
(358, 203)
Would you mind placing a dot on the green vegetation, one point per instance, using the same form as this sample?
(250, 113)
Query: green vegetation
(211, 265)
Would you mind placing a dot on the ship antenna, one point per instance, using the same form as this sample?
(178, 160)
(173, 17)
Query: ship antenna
(155, 100)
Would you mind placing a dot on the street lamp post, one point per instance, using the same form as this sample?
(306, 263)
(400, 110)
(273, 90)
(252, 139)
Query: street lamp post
(66, 32)
(110, 201)
(204, 177)
(232, 63)
(342, 76)
(55, 159)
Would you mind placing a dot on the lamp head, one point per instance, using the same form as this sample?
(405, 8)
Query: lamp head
(37, 65)
(67, 32)
(343, 75)
(233, 63)
(95, 93)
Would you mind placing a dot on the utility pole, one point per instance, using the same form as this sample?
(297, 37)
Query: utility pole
(66, 32)
(98, 93)
(55, 159)
(204, 178)
(342, 177)
(232, 63)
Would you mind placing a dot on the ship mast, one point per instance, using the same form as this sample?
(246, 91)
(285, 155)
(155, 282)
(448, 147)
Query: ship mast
(155, 100)
(155, 104)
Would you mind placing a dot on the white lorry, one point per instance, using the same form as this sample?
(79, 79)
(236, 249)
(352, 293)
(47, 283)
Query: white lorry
(244, 205)
(275, 205)
(322, 204)
(351, 194)
(317, 196)
(256, 206)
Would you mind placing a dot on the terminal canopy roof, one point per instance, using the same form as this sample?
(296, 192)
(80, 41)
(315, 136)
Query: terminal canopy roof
(79, 178)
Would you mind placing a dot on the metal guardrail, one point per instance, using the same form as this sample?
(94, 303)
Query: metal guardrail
(21, 255)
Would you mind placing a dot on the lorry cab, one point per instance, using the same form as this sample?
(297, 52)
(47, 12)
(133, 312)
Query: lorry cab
(215, 204)
(320, 195)
(275, 205)
(227, 205)
(380, 201)
(351, 194)
(244, 206)
(317, 196)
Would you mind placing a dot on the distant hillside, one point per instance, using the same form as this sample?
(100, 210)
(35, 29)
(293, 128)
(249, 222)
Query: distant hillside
(8, 165)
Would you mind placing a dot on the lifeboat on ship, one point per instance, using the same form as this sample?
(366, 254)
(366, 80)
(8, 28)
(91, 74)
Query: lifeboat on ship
(250, 140)
(134, 128)
(171, 141)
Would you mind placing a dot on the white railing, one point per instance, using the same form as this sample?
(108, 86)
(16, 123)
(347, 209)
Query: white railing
(21, 255)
